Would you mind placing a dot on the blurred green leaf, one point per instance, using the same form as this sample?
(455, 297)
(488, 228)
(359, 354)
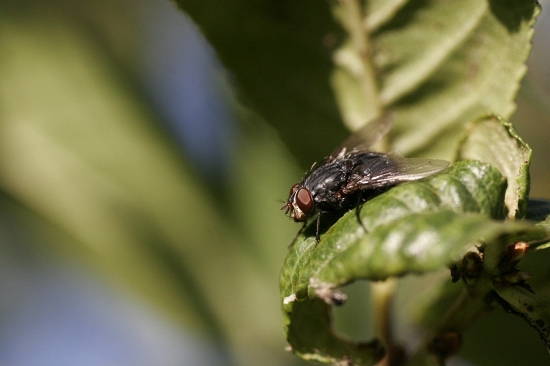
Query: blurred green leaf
(533, 308)
(308, 327)
(80, 149)
(434, 65)
(280, 55)
(435, 303)
(495, 141)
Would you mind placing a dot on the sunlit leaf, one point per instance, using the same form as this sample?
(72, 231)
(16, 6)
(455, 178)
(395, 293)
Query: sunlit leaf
(495, 141)
(465, 187)
(416, 227)
(436, 65)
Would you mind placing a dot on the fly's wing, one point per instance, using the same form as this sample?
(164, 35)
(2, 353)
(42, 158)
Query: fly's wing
(366, 136)
(394, 170)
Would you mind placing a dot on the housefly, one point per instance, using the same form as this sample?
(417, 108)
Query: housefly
(352, 174)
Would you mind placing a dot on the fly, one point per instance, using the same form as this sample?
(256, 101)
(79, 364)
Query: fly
(352, 173)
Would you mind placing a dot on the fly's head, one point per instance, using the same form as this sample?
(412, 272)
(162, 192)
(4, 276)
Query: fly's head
(300, 203)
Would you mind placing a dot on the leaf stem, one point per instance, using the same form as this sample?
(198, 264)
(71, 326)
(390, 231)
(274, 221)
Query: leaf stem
(355, 25)
(382, 297)
(352, 17)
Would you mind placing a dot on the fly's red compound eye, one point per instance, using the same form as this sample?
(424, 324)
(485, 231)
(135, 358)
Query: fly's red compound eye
(304, 200)
(294, 188)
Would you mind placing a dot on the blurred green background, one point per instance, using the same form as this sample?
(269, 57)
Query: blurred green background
(139, 215)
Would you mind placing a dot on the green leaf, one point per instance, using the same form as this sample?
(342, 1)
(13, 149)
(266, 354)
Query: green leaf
(308, 328)
(467, 186)
(492, 140)
(416, 227)
(533, 308)
(435, 303)
(434, 65)
(280, 56)
(416, 243)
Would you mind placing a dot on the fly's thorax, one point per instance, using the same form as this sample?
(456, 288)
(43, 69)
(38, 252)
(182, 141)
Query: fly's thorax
(327, 180)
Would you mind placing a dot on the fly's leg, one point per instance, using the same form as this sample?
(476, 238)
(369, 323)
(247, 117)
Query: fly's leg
(358, 211)
(364, 197)
(357, 214)
(318, 228)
